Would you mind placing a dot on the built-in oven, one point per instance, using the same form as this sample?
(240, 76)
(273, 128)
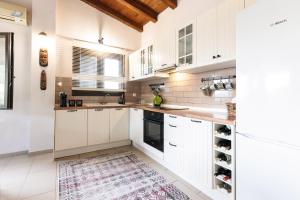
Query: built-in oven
(154, 129)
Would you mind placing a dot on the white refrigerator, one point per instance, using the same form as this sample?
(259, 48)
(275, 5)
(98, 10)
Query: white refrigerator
(268, 101)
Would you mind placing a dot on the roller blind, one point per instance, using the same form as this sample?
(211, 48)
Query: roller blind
(98, 71)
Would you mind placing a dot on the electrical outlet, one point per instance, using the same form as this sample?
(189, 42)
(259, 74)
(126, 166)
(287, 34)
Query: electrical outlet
(134, 94)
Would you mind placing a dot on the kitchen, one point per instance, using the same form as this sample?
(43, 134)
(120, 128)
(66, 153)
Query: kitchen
(150, 99)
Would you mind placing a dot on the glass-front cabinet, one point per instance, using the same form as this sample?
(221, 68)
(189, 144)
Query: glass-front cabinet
(186, 45)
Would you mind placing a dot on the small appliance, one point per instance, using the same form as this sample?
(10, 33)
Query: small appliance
(63, 99)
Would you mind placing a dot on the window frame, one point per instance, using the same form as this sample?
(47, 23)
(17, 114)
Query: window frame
(9, 69)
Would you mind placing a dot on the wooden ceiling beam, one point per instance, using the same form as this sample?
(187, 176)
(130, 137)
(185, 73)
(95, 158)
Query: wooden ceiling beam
(114, 14)
(170, 3)
(140, 8)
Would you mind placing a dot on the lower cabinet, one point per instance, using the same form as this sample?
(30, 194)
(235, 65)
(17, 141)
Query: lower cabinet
(70, 129)
(137, 126)
(98, 126)
(119, 124)
(198, 152)
(188, 149)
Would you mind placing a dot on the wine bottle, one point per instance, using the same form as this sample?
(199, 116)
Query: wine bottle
(225, 129)
(222, 171)
(224, 143)
(223, 157)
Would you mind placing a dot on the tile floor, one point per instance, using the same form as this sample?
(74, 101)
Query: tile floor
(34, 177)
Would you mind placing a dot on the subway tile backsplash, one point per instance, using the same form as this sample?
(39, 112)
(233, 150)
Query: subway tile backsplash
(180, 89)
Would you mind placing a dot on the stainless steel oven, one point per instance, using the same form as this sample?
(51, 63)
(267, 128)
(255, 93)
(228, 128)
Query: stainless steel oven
(154, 129)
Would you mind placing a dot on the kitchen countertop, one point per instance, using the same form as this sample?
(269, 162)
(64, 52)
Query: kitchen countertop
(190, 113)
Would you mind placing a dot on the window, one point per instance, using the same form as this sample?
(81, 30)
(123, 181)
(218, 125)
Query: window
(97, 71)
(6, 70)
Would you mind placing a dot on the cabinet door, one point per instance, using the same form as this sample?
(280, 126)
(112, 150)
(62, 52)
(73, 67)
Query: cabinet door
(186, 45)
(70, 129)
(249, 3)
(165, 49)
(226, 29)
(131, 66)
(206, 37)
(98, 126)
(137, 126)
(198, 152)
(119, 124)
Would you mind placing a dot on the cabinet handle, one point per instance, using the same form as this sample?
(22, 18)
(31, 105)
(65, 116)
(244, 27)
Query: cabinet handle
(171, 116)
(98, 109)
(172, 126)
(219, 56)
(173, 145)
(72, 111)
(163, 65)
(214, 57)
(136, 109)
(196, 121)
(119, 108)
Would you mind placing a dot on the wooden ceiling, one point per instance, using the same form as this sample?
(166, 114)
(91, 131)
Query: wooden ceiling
(134, 13)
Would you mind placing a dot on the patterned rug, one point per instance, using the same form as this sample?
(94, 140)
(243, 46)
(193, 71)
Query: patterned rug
(114, 177)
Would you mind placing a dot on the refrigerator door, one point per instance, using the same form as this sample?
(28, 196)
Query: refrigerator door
(268, 68)
(265, 171)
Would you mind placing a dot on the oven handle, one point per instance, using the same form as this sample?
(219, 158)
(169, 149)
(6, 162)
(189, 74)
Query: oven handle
(155, 122)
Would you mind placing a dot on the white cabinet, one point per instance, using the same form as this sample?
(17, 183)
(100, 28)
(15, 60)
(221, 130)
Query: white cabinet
(165, 50)
(198, 152)
(98, 126)
(226, 29)
(119, 124)
(173, 144)
(216, 33)
(70, 129)
(188, 149)
(136, 126)
(186, 45)
(135, 70)
(249, 3)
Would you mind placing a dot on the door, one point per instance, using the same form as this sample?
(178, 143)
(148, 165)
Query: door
(98, 126)
(165, 49)
(186, 45)
(226, 29)
(198, 152)
(206, 37)
(268, 66)
(70, 129)
(136, 126)
(119, 124)
(265, 170)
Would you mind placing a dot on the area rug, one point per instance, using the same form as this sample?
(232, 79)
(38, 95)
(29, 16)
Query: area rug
(114, 177)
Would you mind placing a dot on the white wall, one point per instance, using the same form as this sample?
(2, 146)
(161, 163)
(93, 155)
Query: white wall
(15, 124)
(169, 20)
(78, 20)
(42, 102)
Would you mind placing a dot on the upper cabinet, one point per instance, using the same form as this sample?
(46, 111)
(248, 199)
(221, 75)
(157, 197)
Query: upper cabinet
(165, 50)
(186, 45)
(249, 3)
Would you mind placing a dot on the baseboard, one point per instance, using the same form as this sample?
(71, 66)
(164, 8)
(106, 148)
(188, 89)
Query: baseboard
(76, 151)
(18, 153)
(40, 152)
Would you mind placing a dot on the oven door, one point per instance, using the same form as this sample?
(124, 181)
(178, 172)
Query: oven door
(154, 134)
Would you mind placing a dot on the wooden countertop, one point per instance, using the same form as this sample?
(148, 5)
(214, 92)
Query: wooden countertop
(207, 116)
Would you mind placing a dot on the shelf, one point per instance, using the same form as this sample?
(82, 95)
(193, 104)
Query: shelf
(223, 136)
(221, 178)
(223, 164)
(222, 150)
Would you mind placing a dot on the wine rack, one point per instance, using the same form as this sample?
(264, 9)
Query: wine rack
(224, 159)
